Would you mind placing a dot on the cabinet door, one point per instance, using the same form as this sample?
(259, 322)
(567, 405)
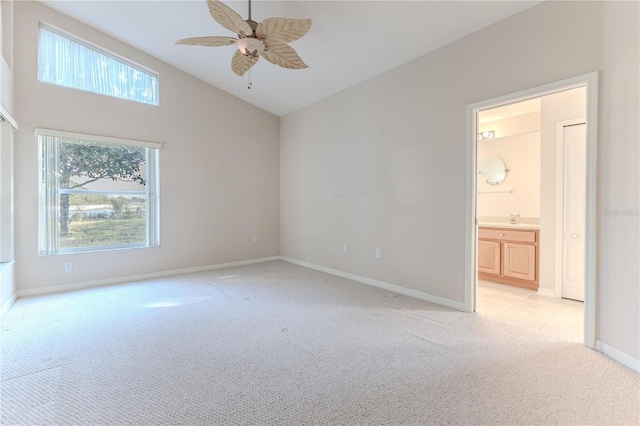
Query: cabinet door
(489, 257)
(519, 261)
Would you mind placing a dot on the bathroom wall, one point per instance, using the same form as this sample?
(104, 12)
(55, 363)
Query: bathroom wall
(517, 144)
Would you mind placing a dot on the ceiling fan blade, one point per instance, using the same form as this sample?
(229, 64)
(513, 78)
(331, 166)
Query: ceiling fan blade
(228, 18)
(285, 56)
(211, 41)
(240, 63)
(275, 31)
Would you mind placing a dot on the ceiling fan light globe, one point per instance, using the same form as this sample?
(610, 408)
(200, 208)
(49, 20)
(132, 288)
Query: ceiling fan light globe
(250, 44)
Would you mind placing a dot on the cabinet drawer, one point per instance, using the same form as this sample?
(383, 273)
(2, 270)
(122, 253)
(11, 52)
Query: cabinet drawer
(507, 235)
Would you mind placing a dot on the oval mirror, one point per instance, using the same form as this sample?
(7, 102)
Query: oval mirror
(493, 171)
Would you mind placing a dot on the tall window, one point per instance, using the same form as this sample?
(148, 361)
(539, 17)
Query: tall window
(71, 62)
(97, 193)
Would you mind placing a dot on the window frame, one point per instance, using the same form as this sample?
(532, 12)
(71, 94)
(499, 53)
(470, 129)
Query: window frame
(49, 233)
(101, 50)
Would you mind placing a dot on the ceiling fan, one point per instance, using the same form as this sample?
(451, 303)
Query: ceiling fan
(267, 39)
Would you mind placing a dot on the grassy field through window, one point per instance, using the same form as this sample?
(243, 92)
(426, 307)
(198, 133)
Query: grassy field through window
(107, 232)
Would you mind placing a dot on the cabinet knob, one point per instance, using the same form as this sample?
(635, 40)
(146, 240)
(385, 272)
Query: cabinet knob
(497, 245)
(502, 235)
(505, 246)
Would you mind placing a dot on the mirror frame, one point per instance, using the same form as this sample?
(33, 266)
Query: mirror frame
(493, 166)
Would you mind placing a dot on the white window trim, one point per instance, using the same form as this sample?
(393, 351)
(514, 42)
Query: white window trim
(153, 191)
(96, 138)
(98, 48)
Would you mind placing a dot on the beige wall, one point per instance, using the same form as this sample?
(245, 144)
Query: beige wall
(219, 176)
(383, 164)
(618, 178)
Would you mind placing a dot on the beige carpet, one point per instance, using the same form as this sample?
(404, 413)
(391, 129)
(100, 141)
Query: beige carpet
(275, 343)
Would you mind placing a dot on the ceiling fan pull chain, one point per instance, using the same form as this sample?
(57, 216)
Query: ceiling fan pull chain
(249, 82)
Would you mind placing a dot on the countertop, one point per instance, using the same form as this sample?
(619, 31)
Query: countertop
(523, 226)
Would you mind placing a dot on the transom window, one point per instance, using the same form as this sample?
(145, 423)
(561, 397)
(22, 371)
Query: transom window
(97, 193)
(71, 62)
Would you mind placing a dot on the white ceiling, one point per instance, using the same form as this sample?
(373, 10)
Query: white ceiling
(349, 41)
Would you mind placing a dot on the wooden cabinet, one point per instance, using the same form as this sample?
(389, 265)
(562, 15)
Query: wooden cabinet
(519, 261)
(489, 257)
(509, 256)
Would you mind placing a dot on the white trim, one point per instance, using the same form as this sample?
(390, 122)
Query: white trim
(96, 138)
(471, 224)
(621, 357)
(8, 117)
(8, 305)
(590, 81)
(546, 292)
(559, 213)
(391, 287)
(99, 283)
(590, 229)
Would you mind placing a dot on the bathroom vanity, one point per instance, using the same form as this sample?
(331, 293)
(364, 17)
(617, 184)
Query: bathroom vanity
(509, 254)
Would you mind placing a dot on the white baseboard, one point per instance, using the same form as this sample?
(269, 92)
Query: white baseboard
(99, 283)
(619, 356)
(546, 292)
(391, 287)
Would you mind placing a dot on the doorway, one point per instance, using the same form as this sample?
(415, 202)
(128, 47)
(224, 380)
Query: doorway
(506, 262)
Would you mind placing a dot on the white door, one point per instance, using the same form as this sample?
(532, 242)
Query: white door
(573, 211)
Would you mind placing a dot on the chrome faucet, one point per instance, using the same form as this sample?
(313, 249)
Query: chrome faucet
(513, 219)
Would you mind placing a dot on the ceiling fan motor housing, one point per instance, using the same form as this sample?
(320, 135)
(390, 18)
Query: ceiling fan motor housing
(250, 45)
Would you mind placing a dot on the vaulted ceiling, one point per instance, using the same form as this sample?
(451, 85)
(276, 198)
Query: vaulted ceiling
(349, 41)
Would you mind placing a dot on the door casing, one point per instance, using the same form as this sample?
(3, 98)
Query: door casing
(590, 82)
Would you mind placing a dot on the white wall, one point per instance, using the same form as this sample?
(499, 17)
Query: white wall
(555, 108)
(219, 177)
(382, 164)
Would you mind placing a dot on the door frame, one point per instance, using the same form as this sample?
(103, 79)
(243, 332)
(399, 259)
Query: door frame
(560, 198)
(590, 82)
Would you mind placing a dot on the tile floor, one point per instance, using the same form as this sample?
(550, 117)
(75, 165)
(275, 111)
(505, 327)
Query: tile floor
(558, 318)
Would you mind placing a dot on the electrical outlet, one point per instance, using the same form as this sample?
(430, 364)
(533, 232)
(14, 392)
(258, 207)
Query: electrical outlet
(255, 238)
(68, 267)
(378, 253)
(344, 248)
